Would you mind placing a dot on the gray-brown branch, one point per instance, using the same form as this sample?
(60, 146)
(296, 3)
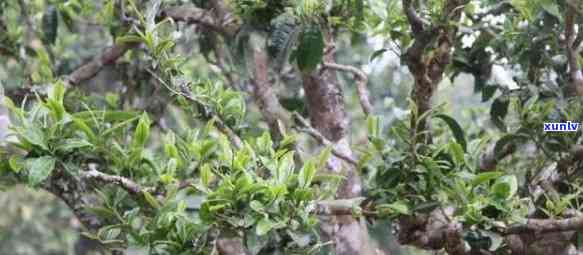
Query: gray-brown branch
(276, 116)
(92, 68)
(490, 158)
(305, 127)
(427, 69)
(572, 48)
(128, 185)
(361, 80)
(543, 226)
(192, 15)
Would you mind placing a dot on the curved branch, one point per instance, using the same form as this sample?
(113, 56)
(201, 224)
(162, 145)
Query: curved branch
(192, 15)
(92, 68)
(361, 80)
(417, 23)
(308, 129)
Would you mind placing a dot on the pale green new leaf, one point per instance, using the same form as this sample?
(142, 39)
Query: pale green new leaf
(142, 132)
(307, 174)
(206, 175)
(72, 144)
(35, 136)
(505, 187)
(39, 169)
(285, 167)
(264, 226)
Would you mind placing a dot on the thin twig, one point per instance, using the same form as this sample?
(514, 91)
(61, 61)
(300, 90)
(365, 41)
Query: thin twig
(305, 127)
(219, 123)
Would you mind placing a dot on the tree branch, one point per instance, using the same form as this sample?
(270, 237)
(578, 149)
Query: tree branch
(433, 231)
(92, 68)
(497, 9)
(575, 87)
(428, 69)
(489, 159)
(225, 17)
(127, 184)
(308, 129)
(192, 15)
(73, 192)
(361, 80)
(265, 98)
(418, 25)
(325, 103)
(543, 226)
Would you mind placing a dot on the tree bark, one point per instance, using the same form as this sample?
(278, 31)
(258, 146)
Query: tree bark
(325, 102)
(273, 113)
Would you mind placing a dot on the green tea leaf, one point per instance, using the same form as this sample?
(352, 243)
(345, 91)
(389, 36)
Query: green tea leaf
(285, 167)
(377, 54)
(457, 130)
(16, 163)
(552, 8)
(374, 126)
(310, 49)
(505, 187)
(323, 157)
(257, 206)
(152, 201)
(108, 116)
(80, 124)
(307, 174)
(206, 175)
(58, 92)
(506, 140)
(264, 142)
(498, 111)
(39, 169)
(264, 226)
(129, 39)
(458, 153)
(35, 136)
(399, 207)
(142, 132)
(50, 24)
(72, 144)
(485, 177)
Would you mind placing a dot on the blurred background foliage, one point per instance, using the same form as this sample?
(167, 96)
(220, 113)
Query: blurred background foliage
(35, 222)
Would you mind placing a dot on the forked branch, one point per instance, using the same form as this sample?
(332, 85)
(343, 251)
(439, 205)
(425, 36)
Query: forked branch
(361, 80)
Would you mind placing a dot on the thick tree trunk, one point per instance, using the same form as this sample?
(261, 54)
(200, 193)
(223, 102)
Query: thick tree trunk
(272, 111)
(327, 113)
